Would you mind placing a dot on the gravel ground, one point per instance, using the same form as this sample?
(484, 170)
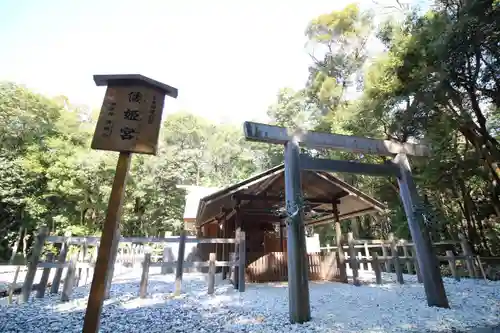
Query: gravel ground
(263, 308)
(7, 275)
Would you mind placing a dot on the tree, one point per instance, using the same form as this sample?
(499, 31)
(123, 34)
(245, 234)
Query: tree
(437, 84)
(338, 40)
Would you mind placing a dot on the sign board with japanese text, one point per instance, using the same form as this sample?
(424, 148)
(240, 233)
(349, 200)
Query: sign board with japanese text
(130, 118)
(129, 122)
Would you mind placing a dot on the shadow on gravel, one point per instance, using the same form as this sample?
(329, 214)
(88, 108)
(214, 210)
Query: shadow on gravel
(161, 312)
(124, 312)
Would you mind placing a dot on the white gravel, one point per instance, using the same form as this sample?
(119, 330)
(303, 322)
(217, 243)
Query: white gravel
(335, 307)
(7, 274)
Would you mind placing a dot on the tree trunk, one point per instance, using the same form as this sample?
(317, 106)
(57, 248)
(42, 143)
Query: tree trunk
(468, 210)
(485, 151)
(482, 234)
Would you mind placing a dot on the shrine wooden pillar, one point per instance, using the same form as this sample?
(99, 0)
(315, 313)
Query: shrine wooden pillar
(238, 228)
(338, 238)
(224, 247)
(216, 248)
(282, 225)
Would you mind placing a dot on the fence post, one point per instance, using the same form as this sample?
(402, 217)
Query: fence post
(111, 265)
(352, 259)
(13, 285)
(40, 293)
(132, 255)
(367, 256)
(415, 263)
(167, 257)
(376, 268)
(409, 261)
(164, 260)
(123, 258)
(329, 266)
(467, 252)
(233, 268)
(69, 280)
(33, 263)
(211, 274)
(242, 262)
(180, 263)
(361, 264)
(76, 280)
(481, 268)
(61, 259)
(347, 262)
(84, 254)
(340, 256)
(87, 270)
(451, 262)
(236, 271)
(78, 271)
(95, 254)
(385, 254)
(395, 259)
(143, 286)
(226, 249)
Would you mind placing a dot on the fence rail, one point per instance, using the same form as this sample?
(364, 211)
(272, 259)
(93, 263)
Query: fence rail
(392, 261)
(379, 255)
(95, 240)
(85, 259)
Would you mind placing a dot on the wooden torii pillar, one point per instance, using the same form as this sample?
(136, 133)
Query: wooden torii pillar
(299, 307)
(298, 290)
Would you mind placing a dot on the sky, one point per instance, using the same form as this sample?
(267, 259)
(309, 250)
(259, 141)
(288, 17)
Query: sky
(227, 58)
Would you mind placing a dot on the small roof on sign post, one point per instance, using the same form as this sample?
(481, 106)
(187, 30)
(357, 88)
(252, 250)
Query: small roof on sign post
(128, 79)
(130, 117)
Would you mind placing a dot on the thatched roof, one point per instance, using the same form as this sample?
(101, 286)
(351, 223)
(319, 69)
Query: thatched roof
(320, 189)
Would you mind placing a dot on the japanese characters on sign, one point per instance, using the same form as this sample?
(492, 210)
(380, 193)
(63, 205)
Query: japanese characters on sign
(129, 120)
(152, 111)
(108, 128)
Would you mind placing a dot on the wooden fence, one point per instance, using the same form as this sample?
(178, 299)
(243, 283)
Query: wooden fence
(375, 256)
(398, 256)
(80, 260)
(378, 255)
(273, 267)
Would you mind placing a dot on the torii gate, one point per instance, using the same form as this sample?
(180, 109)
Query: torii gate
(298, 288)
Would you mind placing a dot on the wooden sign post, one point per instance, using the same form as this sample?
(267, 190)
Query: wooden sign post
(129, 122)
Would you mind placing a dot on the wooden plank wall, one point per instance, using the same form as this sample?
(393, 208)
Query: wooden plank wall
(272, 243)
(273, 267)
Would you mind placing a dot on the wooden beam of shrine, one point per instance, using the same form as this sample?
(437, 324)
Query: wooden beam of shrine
(280, 135)
(319, 164)
(265, 211)
(260, 218)
(274, 198)
(331, 218)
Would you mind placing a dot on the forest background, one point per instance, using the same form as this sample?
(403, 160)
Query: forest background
(437, 82)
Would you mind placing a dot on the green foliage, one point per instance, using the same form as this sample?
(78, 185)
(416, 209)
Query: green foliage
(338, 41)
(436, 83)
(49, 176)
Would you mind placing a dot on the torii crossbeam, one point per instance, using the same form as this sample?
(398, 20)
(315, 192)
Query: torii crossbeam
(298, 290)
